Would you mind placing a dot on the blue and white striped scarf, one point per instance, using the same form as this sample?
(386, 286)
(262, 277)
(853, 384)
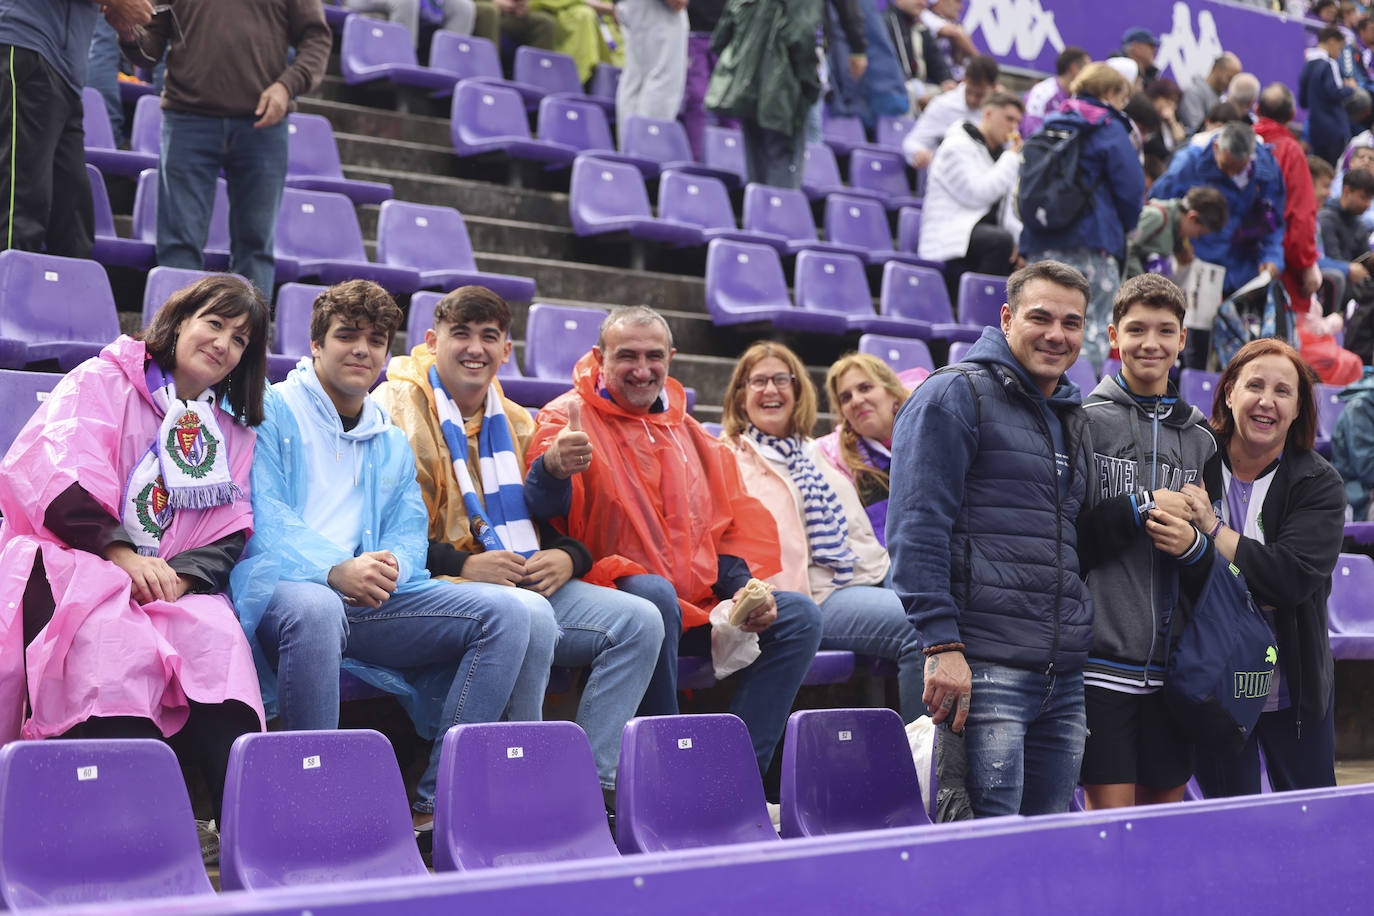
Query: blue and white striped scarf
(827, 529)
(498, 517)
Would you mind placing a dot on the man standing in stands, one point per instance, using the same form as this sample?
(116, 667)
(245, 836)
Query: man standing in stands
(990, 466)
(47, 199)
(1046, 96)
(1301, 276)
(667, 497)
(1205, 91)
(224, 105)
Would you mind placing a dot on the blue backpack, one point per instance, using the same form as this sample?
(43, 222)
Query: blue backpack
(1222, 657)
(1052, 194)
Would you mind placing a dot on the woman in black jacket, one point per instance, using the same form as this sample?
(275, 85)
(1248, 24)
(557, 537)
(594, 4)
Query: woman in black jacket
(1276, 509)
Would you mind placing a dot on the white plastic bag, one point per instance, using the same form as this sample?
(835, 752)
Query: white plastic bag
(920, 734)
(731, 647)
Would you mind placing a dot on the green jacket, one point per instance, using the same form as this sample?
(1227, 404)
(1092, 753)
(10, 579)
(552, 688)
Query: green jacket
(766, 66)
(1156, 233)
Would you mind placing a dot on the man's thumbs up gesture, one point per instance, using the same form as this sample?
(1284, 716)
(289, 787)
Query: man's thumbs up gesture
(571, 451)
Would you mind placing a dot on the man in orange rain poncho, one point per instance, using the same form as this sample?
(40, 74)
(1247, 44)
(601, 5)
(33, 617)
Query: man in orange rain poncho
(663, 494)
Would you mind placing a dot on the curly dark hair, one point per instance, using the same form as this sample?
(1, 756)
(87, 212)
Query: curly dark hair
(355, 301)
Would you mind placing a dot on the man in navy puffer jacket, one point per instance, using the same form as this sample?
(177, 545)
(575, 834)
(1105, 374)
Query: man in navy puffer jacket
(989, 469)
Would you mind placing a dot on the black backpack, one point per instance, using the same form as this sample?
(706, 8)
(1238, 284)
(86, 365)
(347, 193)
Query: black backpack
(1052, 195)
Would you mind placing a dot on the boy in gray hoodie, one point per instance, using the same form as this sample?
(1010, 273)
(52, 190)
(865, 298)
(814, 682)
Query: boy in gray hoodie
(1147, 443)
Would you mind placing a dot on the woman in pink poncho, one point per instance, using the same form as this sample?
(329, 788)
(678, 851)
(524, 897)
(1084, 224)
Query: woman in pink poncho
(126, 504)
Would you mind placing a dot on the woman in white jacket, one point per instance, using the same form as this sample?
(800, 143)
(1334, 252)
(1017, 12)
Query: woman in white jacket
(828, 548)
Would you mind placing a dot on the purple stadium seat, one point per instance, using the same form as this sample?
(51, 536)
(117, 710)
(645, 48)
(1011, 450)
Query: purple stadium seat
(843, 133)
(702, 201)
(909, 229)
(291, 332)
(892, 130)
(605, 81)
(488, 118)
(1361, 532)
(693, 672)
(130, 91)
(882, 171)
(101, 151)
(1329, 407)
(846, 770)
(92, 821)
(580, 123)
(1349, 611)
(724, 149)
(471, 57)
(688, 781)
(1110, 367)
(374, 50)
(162, 282)
(555, 74)
(314, 808)
(852, 220)
(838, 284)
(744, 282)
(608, 196)
(25, 392)
(900, 353)
(919, 294)
(1199, 388)
(318, 231)
(1081, 374)
(62, 308)
(714, 430)
(518, 793)
(336, 15)
(145, 134)
(958, 350)
(980, 299)
(556, 337)
(830, 666)
(784, 212)
(109, 248)
(434, 241)
(217, 241)
(313, 162)
(821, 175)
(665, 142)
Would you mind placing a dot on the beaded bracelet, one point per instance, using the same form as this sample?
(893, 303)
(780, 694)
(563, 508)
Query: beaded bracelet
(944, 647)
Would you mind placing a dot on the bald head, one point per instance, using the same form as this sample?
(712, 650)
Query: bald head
(1243, 91)
(1224, 69)
(1276, 103)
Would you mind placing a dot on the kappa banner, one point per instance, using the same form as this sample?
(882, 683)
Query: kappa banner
(1030, 33)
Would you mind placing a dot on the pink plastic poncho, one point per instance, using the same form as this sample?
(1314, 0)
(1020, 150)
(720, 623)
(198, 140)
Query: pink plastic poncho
(103, 654)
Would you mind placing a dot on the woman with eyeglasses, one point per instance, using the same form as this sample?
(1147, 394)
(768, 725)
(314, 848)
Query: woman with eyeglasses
(828, 547)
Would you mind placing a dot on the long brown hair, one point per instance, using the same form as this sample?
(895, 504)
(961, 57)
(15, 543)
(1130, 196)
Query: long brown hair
(1302, 433)
(881, 373)
(734, 417)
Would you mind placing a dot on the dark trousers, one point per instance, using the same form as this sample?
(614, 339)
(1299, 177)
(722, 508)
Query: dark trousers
(989, 252)
(773, 158)
(45, 197)
(1306, 761)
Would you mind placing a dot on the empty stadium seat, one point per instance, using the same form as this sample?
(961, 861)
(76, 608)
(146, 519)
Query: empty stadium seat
(688, 781)
(702, 201)
(291, 327)
(919, 294)
(1329, 407)
(665, 142)
(61, 308)
(909, 229)
(846, 770)
(471, 57)
(891, 130)
(1081, 374)
(580, 123)
(162, 282)
(554, 73)
(109, 248)
(434, 241)
(25, 392)
(95, 821)
(1198, 388)
(1350, 614)
(101, 151)
(609, 196)
(724, 149)
(821, 175)
(318, 232)
(145, 135)
(882, 171)
(843, 133)
(518, 793)
(313, 162)
(217, 238)
(605, 81)
(837, 284)
(981, 297)
(785, 213)
(556, 337)
(373, 50)
(314, 808)
(853, 220)
(487, 118)
(898, 352)
(744, 282)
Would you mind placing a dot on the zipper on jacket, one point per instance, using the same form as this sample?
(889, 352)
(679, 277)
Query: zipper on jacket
(1154, 485)
(1058, 520)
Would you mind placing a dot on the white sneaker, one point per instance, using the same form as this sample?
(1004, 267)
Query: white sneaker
(775, 815)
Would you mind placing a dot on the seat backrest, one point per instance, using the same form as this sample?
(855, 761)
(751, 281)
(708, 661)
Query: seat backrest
(602, 190)
(374, 43)
(1329, 407)
(782, 211)
(92, 821)
(312, 149)
(819, 168)
(688, 781)
(909, 229)
(845, 770)
(892, 130)
(1349, 609)
(145, 212)
(580, 124)
(605, 81)
(294, 303)
(832, 283)
(482, 112)
(313, 808)
(725, 149)
(556, 337)
(741, 275)
(145, 136)
(879, 170)
(423, 237)
(463, 55)
(909, 291)
(549, 70)
(650, 138)
(1081, 374)
(857, 221)
(95, 120)
(958, 350)
(980, 299)
(518, 793)
(100, 203)
(25, 392)
(162, 282)
(901, 353)
(697, 199)
(46, 298)
(318, 224)
(843, 131)
(1199, 388)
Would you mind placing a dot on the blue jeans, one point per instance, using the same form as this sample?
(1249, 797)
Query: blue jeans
(306, 630)
(102, 74)
(1024, 738)
(870, 620)
(194, 149)
(618, 634)
(764, 691)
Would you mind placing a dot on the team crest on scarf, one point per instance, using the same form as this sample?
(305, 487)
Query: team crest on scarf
(191, 446)
(152, 509)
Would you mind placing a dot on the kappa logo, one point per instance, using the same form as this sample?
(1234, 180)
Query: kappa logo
(1187, 53)
(1023, 23)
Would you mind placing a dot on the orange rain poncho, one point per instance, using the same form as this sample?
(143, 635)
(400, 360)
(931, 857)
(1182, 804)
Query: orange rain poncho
(660, 492)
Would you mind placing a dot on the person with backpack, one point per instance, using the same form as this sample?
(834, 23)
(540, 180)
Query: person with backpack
(1081, 187)
(1167, 227)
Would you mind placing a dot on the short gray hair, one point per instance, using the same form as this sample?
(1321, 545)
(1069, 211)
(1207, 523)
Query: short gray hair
(1056, 272)
(632, 314)
(1243, 90)
(1236, 140)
